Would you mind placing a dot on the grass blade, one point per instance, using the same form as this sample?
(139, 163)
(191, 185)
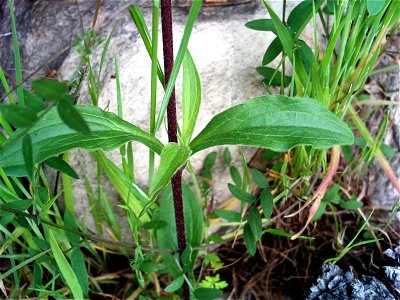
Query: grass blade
(194, 11)
(65, 268)
(17, 56)
(138, 19)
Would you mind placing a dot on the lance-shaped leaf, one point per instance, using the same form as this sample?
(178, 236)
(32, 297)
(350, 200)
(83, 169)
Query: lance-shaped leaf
(191, 96)
(261, 25)
(173, 156)
(275, 122)
(65, 268)
(51, 137)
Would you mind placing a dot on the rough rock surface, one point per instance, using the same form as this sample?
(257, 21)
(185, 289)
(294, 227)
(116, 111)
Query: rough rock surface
(386, 86)
(336, 284)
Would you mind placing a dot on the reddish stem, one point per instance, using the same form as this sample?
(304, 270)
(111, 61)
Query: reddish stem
(176, 181)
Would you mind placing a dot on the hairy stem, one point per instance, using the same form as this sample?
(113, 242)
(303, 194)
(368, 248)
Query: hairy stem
(176, 181)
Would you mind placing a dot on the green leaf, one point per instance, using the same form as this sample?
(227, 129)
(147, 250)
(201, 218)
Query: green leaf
(305, 53)
(352, 204)
(27, 153)
(37, 277)
(240, 194)
(140, 23)
(227, 157)
(249, 240)
(207, 293)
(276, 122)
(69, 221)
(347, 153)
(194, 225)
(231, 216)
(260, 179)
(272, 52)
(254, 221)
(267, 203)
(287, 41)
(191, 97)
(332, 194)
(149, 267)
(209, 161)
(18, 205)
(62, 166)
(154, 225)
(72, 117)
(50, 89)
(387, 150)
(237, 179)
(5, 217)
(261, 25)
(331, 5)
(43, 245)
(17, 56)
(51, 137)
(272, 76)
(299, 16)
(18, 116)
(186, 258)
(65, 268)
(173, 156)
(375, 6)
(79, 268)
(33, 102)
(320, 211)
(175, 285)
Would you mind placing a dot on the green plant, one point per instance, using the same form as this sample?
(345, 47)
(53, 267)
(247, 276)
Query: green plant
(167, 221)
(333, 76)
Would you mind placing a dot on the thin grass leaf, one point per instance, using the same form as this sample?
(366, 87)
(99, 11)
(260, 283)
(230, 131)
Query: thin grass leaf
(194, 11)
(287, 43)
(65, 268)
(153, 99)
(282, 233)
(103, 56)
(17, 57)
(6, 87)
(138, 19)
(67, 188)
(79, 268)
(23, 264)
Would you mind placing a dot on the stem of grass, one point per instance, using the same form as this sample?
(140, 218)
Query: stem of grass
(153, 101)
